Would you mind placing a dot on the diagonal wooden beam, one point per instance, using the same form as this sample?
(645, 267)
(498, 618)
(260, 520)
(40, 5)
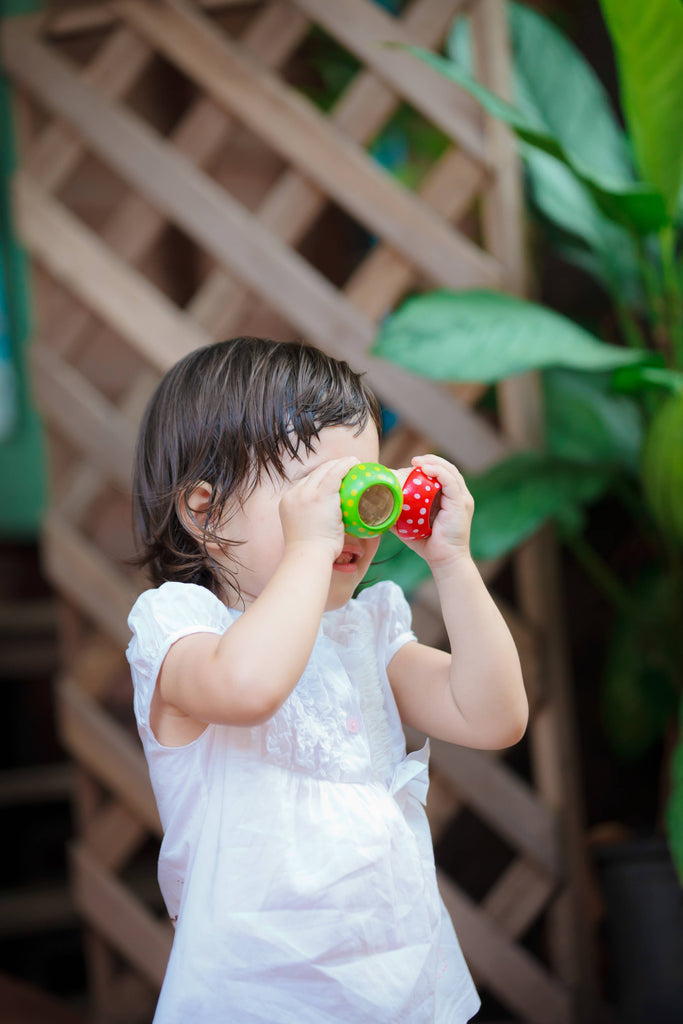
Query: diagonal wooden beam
(292, 205)
(57, 150)
(81, 413)
(89, 18)
(368, 32)
(518, 896)
(122, 298)
(107, 751)
(119, 917)
(136, 225)
(114, 834)
(513, 975)
(82, 573)
(503, 800)
(235, 238)
(303, 136)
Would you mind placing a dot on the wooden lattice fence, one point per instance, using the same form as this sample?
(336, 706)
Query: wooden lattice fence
(175, 187)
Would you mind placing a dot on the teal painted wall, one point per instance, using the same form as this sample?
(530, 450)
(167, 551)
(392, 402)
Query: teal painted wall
(22, 449)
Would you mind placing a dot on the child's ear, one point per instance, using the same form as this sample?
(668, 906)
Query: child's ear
(193, 510)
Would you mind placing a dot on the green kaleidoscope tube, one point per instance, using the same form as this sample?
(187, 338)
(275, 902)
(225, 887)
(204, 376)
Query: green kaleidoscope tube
(371, 499)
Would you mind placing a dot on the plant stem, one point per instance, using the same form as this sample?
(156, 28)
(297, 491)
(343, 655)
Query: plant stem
(653, 291)
(603, 577)
(632, 332)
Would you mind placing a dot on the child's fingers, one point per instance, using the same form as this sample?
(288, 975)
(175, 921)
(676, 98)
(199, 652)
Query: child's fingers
(436, 466)
(448, 475)
(326, 477)
(332, 472)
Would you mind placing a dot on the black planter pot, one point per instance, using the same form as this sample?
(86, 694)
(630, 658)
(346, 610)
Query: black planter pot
(643, 930)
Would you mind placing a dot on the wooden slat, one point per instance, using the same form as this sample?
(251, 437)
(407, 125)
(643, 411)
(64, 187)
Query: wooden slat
(385, 274)
(79, 411)
(57, 150)
(100, 745)
(122, 298)
(36, 784)
(82, 574)
(119, 917)
(303, 136)
(34, 910)
(135, 226)
(367, 31)
(511, 973)
(236, 239)
(87, 478)
(503, 800)
(113, 835)
(290, 208)
(518, 896)
(98, 662)
(94, 17)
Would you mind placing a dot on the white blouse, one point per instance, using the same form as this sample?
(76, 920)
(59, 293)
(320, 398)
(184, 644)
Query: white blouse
(296, 862)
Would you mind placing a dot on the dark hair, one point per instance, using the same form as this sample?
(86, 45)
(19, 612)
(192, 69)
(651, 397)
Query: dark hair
(225, 414)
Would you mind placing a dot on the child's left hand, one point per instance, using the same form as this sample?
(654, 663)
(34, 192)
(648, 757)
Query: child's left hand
(450, 537)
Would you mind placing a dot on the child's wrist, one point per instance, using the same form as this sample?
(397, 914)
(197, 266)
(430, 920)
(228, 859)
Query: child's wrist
(459, 558)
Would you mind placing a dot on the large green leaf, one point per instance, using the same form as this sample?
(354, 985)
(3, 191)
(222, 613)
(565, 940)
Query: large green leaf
(486, 336)
(555, 86)
(637, 205)
(543, 62)
(648, 40)
(562, 198)
(553, 74)
(587, 423)
(518, 495)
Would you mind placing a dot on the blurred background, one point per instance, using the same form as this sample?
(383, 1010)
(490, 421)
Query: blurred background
(598, 144)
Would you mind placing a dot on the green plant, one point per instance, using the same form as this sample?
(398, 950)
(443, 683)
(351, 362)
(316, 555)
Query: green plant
(610, 200)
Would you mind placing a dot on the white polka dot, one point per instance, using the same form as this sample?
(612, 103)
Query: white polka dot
(427, 488)
(402, 531)
(406, 508)
(420, 521)
(409, 521)
(417, 497)
(416, 531)
(423, 511)
(418, 480)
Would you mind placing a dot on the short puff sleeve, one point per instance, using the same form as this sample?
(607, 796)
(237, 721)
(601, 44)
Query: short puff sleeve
(392, 615)
(157, 619)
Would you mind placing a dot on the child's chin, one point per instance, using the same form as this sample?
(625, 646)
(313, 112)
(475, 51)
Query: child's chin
(339, 596)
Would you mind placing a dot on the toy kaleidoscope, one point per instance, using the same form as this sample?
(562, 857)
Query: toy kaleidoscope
(421, 502)
(373, 501)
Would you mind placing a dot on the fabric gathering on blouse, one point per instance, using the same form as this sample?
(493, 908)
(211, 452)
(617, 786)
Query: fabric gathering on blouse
(297, 862)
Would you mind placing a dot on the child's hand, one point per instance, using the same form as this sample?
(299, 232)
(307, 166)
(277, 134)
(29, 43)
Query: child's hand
(450, 537)
(310, 509)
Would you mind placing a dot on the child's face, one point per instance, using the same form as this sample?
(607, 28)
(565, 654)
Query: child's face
(257, 524)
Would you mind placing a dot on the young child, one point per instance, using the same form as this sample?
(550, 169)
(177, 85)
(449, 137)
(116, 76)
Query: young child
(296, 862)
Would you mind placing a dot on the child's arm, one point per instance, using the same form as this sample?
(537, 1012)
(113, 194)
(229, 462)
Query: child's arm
(474, 696)
(245, 675)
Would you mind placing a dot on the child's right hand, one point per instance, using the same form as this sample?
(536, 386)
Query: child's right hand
(310, 509)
